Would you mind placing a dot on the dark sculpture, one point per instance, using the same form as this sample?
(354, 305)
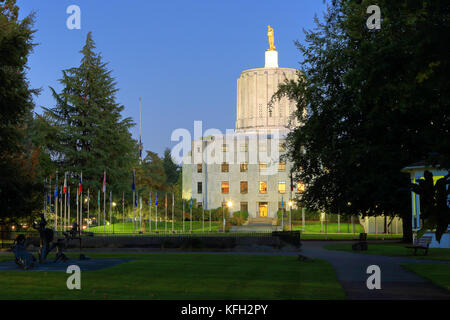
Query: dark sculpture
(26, 260)
(23, 258)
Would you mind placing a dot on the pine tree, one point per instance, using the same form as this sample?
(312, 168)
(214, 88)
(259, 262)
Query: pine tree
(88, 133)
(20, 190)
(171, 169)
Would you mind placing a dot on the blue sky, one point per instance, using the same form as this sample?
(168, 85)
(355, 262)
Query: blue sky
(181, 57)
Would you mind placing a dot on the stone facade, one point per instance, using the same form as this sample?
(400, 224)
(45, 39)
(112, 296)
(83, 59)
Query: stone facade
(246, 168)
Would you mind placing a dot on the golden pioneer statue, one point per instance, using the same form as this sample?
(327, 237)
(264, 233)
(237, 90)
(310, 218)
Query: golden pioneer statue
(271, 38)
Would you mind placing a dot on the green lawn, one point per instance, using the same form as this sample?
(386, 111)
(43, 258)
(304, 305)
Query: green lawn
(178, 226)
(315, 227)
(437, 273)
(182, 276)
(395, 250)
(346, 236)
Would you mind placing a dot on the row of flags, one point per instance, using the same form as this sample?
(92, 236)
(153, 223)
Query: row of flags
(80, 190)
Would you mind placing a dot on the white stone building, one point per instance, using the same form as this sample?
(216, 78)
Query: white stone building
(244, 167)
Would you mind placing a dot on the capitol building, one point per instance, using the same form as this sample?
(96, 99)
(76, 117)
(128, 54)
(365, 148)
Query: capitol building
(244, 169)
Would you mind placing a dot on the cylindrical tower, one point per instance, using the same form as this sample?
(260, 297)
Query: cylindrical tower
(255, 88)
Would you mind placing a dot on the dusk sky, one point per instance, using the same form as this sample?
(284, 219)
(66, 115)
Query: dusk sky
(181, 57)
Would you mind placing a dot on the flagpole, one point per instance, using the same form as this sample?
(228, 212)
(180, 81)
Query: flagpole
(133, 209)
(78, 214)
(68, 209)
(156, 212)
(88, 200)
(140, 213)
(61, 211)
(123, 212)
(56, 202)
(65, 210)
(190, 210)
(165, 218)
(98, 209)
(183, 214)
(150, 212)
(173, 208)
(110, 219)
(104, 210)
(50, 207)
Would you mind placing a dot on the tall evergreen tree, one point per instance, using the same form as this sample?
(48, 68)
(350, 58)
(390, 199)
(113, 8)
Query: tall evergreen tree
(171, 169)
(20, 191)
(87, 133)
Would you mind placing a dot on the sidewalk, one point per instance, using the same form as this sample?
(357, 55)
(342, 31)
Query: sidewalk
(397, 283)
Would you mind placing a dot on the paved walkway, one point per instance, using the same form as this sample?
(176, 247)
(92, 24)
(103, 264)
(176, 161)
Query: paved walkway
(396, 282)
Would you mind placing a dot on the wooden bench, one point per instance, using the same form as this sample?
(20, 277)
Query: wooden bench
(361, 245)
(422, 243)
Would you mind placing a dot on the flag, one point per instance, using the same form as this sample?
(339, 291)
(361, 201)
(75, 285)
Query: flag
(104, 182)
(98, 198)
(65, 182)
(156, 202)
(282, 203)
(136, 200)
(68, 198)
(80, 185)
(123, 198)
(140, 204)
(133, 186)
(150, 199)
(190, 204)
(140, 148)
(292, 183)
(165, 203)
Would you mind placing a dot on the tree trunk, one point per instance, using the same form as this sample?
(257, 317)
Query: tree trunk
(407, 227)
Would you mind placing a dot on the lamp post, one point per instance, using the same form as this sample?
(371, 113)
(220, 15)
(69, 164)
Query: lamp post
(229, 204)
(290, 213)
(114, 206)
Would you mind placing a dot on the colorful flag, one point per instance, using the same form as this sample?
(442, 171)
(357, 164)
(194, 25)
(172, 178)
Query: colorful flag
(190, 204)
(133, 186)
(80, 185)
(150, 199)
(165, 203)
(156, 202)
(104, 182)
(98, 198)
(65, 182)
(140, 200)
(282, 202)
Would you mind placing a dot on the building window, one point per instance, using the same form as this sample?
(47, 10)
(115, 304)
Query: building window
(244, 166)
(244, 186)
(300, 187)
(263, 187)
(244, 147)
(224, 147)
(199, 168)
(225, 167)
(281, 147)
(263, 146)
(199, 187)
(282, 166)
(244, 206)
(199, 205)
(262, 166)
(281, 204)
(281, 186)
(225, 187)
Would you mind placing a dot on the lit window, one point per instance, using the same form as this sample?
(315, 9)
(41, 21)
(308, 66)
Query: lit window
(244, 186)
(225, 187)
(244, 166)
(300, 187)
(262, 187)
(244, 147)
(281, 186)
(199, 168)
(199, 187)
(225, 167)
(282, 166)
(262, 166)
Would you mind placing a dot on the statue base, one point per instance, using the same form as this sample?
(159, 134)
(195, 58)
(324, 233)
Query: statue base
(271, 60)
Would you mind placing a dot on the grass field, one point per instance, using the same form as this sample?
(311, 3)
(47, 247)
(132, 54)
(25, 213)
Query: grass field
(315, 227)
(178, 226)
(437, 273)
(182, 276)
(395, 250)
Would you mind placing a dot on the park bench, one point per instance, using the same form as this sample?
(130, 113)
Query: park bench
(421, 243)
(361, 245)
